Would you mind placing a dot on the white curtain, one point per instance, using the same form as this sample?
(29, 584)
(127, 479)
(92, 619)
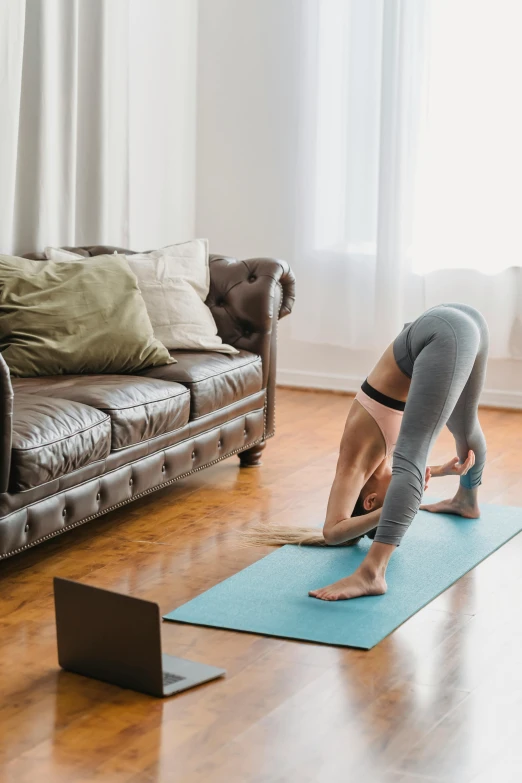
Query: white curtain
(410, 166)
(97, 139)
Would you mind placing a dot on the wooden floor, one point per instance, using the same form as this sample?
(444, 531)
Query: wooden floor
(438, 700)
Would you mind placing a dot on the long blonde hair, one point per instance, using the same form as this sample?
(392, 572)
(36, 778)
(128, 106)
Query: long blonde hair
(279, 535)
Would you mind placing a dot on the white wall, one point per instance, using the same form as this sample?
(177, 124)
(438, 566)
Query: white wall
(248, 53)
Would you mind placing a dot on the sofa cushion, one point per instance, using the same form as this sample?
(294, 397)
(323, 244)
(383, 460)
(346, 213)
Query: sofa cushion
(139, 408)
(52, 437)
(215, 380)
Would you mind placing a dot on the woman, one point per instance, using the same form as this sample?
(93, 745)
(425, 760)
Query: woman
(437, 365)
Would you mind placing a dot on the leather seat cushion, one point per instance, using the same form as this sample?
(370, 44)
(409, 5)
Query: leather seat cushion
(52, 437)
(215, 380)
(139, 408)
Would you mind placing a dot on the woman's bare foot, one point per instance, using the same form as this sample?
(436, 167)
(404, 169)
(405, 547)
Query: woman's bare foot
(464, 504)
(356, 585)
(453, 506)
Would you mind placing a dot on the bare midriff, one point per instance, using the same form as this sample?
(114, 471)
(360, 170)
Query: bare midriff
(387, 378)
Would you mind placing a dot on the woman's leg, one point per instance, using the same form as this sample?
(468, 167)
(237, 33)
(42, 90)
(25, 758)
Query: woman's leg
(463, 422)
(465, 428)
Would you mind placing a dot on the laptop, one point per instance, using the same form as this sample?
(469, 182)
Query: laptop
(116, 638)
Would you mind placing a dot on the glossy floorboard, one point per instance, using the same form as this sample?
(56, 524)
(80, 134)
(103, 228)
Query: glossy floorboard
(438, 700)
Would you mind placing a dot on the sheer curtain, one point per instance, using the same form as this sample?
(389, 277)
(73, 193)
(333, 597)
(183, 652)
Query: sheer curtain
(410, 167)
(97, 138)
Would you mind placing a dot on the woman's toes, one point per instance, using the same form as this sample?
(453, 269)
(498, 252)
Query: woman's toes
(321, 593)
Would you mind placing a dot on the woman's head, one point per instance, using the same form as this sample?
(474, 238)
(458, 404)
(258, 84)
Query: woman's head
(373, 492)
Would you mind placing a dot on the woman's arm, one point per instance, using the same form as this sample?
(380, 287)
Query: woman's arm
(353, 527)
(453, 467)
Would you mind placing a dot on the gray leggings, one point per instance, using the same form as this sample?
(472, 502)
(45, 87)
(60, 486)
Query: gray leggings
(444, 352)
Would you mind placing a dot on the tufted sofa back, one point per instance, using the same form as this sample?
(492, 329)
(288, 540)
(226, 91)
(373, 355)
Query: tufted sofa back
(238, 296)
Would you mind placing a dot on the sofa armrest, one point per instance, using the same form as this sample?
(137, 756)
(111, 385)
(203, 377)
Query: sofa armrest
(247, 298)
(243, 298)
(6, 424)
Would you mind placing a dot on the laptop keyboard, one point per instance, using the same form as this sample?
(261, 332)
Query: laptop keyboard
(170, 679)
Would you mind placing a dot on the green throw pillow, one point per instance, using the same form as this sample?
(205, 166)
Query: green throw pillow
(87, 316)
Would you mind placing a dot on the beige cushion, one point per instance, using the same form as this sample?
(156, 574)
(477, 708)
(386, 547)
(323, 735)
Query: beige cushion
(188, 260)
(74, 318)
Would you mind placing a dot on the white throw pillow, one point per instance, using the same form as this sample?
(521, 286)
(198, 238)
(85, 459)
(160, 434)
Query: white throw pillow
(174, 282)
(188, 260)
(59, 254)
(179, 318)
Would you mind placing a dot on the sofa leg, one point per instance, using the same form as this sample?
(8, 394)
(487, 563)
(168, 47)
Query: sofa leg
(251, 458)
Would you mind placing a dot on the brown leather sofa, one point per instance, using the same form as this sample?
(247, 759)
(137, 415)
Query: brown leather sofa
(75, 447)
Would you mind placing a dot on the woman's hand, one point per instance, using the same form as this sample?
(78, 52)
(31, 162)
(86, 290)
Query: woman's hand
(454, 467)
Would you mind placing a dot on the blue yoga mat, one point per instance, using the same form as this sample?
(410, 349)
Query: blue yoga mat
(271, 597)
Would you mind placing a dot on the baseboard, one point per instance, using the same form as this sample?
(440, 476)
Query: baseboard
(495, 398)
(319, 380)
(498, 398)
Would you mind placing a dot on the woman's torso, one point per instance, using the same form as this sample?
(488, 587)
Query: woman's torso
(390, 380)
